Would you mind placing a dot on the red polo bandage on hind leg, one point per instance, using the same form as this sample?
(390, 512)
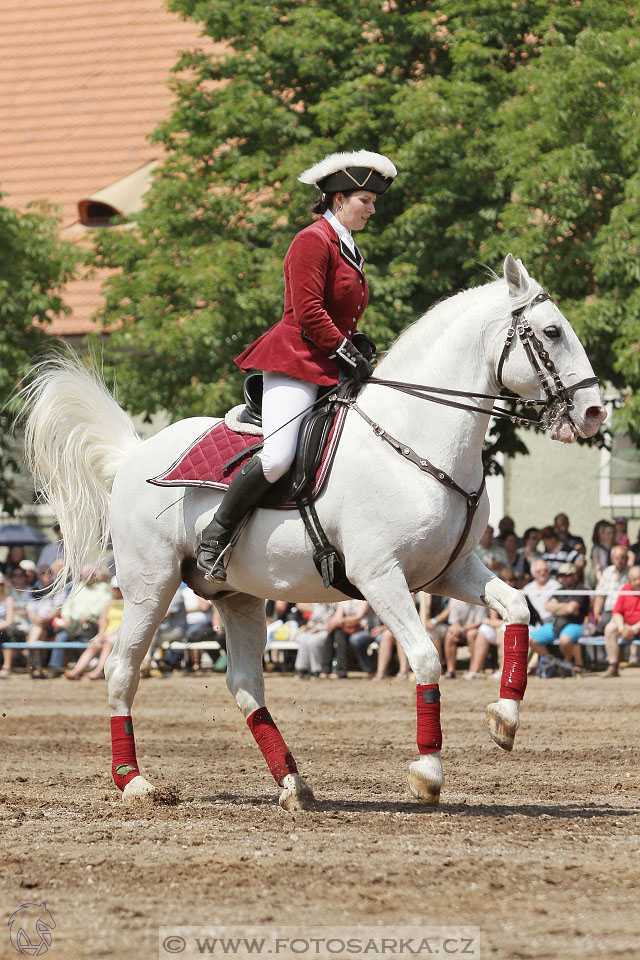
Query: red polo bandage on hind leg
(269, 739)
(123, 749)
(514, 665)
(428, 709)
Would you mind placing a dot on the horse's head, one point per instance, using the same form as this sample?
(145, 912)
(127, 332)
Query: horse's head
(542, 359)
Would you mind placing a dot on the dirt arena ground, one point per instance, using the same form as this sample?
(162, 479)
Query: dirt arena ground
(539, 849)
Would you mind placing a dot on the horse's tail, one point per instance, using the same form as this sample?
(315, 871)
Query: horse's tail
(76, 439)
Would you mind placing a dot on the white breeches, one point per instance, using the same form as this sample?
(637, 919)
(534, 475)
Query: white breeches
(284, 400)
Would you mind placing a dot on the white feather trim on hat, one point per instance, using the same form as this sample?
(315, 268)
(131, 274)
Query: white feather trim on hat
(338, 161)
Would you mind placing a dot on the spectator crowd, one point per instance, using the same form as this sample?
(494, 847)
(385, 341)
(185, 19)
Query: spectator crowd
(573, 592)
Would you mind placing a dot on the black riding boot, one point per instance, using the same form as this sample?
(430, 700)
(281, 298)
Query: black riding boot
(245, 492)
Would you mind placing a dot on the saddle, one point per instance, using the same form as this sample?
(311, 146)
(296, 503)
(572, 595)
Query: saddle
(216, 455)
(312, 439)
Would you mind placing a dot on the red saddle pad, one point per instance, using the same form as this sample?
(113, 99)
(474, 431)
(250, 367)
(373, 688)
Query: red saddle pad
(203, 463)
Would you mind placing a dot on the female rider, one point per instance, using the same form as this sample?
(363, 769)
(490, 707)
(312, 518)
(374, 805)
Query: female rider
(316, 339)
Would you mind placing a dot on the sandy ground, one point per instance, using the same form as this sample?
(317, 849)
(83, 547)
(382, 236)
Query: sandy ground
(539, 849)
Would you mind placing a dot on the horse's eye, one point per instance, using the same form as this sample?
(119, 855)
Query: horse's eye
(552, 332)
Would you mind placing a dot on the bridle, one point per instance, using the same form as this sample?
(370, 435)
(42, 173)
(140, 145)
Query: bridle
(559, 399)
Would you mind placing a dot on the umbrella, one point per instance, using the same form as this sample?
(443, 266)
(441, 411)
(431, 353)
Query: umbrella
(20, 535)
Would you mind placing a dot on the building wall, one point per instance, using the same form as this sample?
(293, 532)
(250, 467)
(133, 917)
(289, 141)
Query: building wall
(554, 478)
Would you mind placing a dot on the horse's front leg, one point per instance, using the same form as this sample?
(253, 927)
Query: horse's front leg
(246, 633)
(472, 582)
(389, 596)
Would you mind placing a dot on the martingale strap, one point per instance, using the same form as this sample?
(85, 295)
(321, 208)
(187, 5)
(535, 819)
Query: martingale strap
(472, 498)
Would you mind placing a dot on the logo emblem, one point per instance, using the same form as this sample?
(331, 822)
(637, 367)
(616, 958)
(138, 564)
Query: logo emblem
(29, 929)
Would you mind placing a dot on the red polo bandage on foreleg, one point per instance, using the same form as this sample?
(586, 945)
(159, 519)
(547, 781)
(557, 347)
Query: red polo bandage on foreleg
(269, 739)
(514, 665)
(123, 749)
(428, 709)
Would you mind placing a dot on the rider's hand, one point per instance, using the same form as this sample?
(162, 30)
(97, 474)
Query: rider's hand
(365, 345)
(351, 361)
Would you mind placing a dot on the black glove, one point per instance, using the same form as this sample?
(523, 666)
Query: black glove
(365, 345)
(351, 361)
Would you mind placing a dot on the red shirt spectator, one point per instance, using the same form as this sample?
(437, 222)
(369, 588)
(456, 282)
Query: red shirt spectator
(628, 605)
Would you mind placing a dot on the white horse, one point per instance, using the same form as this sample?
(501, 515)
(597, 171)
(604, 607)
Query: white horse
(396, 526)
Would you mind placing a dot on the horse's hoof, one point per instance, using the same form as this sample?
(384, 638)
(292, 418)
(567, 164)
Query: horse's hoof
(136, 790)
(503, 721)
(426, 779)
(296, 794)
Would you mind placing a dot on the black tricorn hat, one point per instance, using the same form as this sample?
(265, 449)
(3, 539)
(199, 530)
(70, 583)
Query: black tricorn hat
(361, 170)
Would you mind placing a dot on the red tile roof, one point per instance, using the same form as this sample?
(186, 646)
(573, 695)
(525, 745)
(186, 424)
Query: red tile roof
(83, 84)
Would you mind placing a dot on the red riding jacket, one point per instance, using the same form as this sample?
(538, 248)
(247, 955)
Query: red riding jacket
(324, 297)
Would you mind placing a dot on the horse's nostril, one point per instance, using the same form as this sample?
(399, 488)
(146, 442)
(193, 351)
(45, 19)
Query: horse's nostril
(596, 413)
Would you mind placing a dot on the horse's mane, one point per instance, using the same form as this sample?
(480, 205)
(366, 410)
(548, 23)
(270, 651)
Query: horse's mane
(488, 307)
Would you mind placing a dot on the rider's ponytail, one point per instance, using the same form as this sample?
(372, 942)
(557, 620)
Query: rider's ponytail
(322, 203)
(325, 202)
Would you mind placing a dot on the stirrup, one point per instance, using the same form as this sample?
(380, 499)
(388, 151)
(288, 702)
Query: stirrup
(214, 567)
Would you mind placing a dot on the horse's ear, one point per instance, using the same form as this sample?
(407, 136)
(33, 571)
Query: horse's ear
(516, 276)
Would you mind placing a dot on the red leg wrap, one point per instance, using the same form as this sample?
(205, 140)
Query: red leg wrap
(123, 749)
(269, 739)
(514, 666)
(428, 708)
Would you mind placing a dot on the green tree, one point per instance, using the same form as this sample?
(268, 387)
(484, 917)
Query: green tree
(460, 95)
(34, 267)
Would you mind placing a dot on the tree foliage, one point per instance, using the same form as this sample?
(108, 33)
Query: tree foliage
(514, 126)
(34, 267)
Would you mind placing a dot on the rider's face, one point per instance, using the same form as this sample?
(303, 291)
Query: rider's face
(354, 211)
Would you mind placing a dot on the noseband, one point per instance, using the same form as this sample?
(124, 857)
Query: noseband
(559, 399)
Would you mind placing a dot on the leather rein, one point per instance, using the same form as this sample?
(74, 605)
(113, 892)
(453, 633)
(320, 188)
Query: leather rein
(558, 403)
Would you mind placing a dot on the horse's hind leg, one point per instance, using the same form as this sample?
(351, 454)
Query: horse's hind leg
(139, 622)
(246, 629)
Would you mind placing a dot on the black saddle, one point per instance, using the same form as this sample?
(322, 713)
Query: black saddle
(312, 438)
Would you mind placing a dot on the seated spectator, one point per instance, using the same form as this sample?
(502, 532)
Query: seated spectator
(29, 569)
(283, 622)
(52, 551)
(568, 614)
(102, 643)
(313, 640)
(511, 549)
(612, 580)
(198, 618)
(621, 537)
(6, 622)
(19, 593)
(387, 642)
(526, 555)
(15, 557)
(434, 612)
(361, 640)
(624, 623)
(555, 552)
(602, 540)
(491, 553)
(43, 611)
(490, 633)
(80, 614)
(463, 619)
(573, 542)
(348, 620)
(507, 526)
(540, 590)
(173, 626)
